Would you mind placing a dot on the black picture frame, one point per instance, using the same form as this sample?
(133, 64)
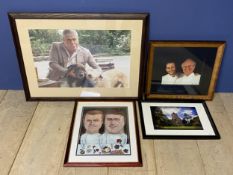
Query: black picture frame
(200, 126)
(39, 87)
(197, 84)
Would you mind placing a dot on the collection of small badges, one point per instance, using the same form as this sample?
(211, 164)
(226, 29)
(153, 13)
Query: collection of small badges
(117, 148)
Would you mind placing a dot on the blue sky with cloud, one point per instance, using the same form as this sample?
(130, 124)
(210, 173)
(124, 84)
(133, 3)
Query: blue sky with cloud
(180, 111)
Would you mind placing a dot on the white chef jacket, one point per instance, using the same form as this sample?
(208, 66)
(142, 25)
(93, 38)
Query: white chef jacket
(168, 79)
(192, 79)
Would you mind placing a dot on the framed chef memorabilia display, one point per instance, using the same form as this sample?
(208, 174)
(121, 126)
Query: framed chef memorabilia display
(104, 134)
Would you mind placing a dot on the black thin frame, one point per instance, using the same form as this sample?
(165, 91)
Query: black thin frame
(192, 137)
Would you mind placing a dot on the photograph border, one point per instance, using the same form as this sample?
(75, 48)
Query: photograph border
(104, 164)
(209, 117)
(13, 16)
(220, 45)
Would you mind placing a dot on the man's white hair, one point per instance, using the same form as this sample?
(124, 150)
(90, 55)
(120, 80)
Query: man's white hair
(69, 31)
(189, 60)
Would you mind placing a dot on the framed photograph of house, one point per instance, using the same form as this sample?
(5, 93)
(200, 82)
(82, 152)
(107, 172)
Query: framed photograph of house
(104, 134)
(177, 120)
(183, 69)
(80, 55)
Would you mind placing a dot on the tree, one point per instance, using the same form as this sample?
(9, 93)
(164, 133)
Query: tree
(99, 42)
(41, 40)
(159, 119)
(111, 42)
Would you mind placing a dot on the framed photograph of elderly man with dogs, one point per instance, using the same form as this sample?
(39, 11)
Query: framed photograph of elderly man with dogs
(80, 55)
(183, 69)
(104, 134)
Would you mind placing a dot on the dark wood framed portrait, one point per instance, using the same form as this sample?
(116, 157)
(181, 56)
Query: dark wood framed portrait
(104, 134)
(80, 55)
(177, 120)
(183, 69)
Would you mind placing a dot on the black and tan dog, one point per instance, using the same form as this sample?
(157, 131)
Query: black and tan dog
(76, 76)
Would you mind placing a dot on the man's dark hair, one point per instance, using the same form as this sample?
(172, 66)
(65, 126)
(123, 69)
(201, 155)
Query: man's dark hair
(93, 112)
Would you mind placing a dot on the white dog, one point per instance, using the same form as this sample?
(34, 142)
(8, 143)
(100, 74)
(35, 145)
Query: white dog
(110, 79)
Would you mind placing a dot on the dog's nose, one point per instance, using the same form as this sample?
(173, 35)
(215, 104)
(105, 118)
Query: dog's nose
(81, 75)
(89, 76)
